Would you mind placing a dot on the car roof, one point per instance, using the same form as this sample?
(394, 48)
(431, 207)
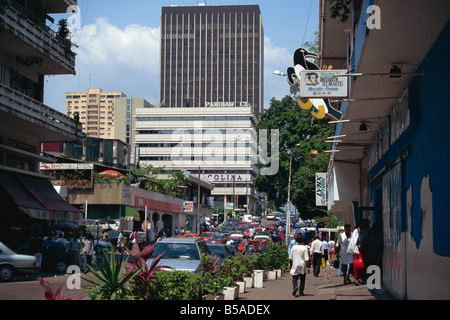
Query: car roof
(180, 240)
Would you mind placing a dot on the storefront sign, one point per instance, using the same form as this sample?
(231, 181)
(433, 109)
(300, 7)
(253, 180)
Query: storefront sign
(224, 177)
(188, 206)
(321, 189)
(323, 83)
(66, 166)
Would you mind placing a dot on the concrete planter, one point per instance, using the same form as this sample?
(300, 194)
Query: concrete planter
(278, 271)
(248, 282)
(271, 275)
(258, 278)
(241, 285)
(231, 293)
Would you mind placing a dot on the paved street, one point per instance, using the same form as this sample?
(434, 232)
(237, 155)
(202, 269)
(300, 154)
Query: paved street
(328, 286)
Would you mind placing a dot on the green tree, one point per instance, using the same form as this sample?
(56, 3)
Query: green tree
(296, 126)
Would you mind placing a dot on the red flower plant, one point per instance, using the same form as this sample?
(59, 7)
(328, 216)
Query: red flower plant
(51, 294)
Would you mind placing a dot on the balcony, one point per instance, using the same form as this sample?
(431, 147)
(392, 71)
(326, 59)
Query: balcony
(34, 44)
(55, 6)
(24, 118)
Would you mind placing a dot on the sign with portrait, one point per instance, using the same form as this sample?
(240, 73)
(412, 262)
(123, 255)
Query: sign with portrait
(323, 83)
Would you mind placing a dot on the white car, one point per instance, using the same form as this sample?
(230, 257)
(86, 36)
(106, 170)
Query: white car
(12, 264)
(270, 216)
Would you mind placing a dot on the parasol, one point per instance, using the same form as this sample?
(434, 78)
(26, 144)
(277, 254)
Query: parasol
(111, 173)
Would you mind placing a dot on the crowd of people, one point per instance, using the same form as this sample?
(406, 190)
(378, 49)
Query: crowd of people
(80, 250)
(352, 253)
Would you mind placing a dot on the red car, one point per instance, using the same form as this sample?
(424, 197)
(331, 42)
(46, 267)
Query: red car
(218, 238)
(207, 236)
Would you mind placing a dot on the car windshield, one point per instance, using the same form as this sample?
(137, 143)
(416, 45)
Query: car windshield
(5, 250)
(176, 251)
(217, 251)
(219, 236)
(207, 235)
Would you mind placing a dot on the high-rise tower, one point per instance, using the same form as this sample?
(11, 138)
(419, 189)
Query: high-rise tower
(212, 56)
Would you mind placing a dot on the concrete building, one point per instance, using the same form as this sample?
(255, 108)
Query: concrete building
(125, 121)
(222, 144)
(211, 93)
(390, 165)
(29, 50)
(212, 56)
(95, 109)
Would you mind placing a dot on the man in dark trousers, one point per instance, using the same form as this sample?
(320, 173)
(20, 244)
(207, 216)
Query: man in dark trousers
(316, 253)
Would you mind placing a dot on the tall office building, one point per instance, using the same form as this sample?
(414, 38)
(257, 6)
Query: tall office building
(211, 94)
(212, 56)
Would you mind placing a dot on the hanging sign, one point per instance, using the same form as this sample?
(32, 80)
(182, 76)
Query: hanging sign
(321, 189)
(323, 84)
(320, 105)
(188, 206)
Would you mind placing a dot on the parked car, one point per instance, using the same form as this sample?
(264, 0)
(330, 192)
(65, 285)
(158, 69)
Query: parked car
(54, 255)
(261, 237)
(207, 235)
(12, 264)
(233, 250)
(218, 238)
(220, 250)
(180, 253)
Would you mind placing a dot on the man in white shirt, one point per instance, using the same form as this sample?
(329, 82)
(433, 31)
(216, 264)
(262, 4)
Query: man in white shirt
(299, 264)
(316, 254)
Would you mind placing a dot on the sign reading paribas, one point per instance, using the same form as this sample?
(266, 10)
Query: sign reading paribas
(226, 104)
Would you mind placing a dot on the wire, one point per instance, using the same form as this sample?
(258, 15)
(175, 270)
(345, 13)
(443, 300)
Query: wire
(307, 22)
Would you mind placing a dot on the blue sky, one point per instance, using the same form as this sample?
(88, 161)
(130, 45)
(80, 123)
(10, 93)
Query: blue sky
(118, 45)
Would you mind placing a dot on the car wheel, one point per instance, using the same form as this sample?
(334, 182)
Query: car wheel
(61, 267)
(7, 273)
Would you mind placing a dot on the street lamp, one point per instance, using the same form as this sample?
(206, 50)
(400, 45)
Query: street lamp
(279, 73)
(288, 215)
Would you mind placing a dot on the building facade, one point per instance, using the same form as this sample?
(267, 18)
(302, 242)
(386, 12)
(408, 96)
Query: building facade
(212, 56)
(29, 50)
(219, 143)
(390, 164)
(95, 109)
(125, 121)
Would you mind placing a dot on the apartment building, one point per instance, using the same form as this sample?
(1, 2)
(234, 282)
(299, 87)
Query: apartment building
(95, 109)
(29, 50)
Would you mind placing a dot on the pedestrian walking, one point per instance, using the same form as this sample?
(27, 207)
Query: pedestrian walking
(299, 265)
(343, 254)
(87, 249)
(73, 248)
(332, 250)
(325, 250)
(120, 242)
(316, 254)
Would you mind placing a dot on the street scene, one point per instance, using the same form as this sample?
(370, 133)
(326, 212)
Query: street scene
(227, 150)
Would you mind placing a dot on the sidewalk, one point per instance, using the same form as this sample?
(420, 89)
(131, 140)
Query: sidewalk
(328, 286)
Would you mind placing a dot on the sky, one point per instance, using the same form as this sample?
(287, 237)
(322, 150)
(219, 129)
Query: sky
(118, 45)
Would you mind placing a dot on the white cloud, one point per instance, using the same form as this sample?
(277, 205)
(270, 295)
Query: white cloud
(112, 59)
(275, 58)
(127, 60)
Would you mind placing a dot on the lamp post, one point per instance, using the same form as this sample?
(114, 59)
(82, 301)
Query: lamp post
(288, 214)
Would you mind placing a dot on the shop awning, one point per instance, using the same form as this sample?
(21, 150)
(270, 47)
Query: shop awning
(37, 198)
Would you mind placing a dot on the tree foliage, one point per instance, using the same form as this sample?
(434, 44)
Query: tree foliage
(295, 127)
(173, 186)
